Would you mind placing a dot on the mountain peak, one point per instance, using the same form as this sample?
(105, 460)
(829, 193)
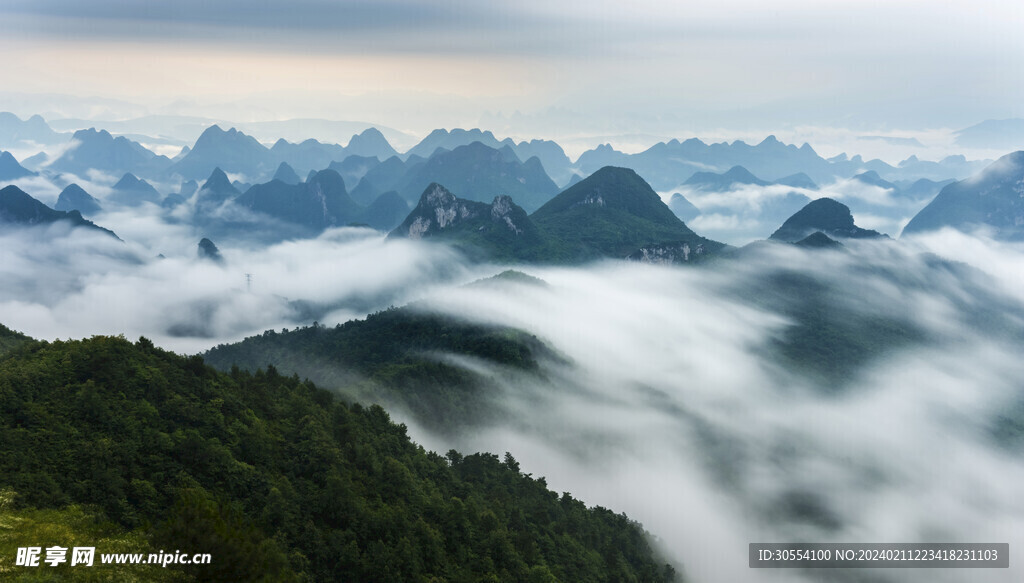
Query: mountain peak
(285, 173)
(10, 169)
(741, 174)
(436, 195)
(74, 198)
(128, 182)
(827, 215)
(991, 197)
(207, 250)
(217, 180)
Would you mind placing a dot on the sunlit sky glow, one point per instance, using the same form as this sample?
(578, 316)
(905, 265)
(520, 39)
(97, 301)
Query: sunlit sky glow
(528, 68)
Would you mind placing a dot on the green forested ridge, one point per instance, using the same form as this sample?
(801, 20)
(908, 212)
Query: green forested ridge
(10, 339)
(276, 478)
(393, 356)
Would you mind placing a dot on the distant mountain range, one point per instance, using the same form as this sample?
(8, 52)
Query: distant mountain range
(479, 172)
(993, 134)
(473, 165)
(666, 166)
(98, 150)
(30, 133)
(320, 202)
(556, 164)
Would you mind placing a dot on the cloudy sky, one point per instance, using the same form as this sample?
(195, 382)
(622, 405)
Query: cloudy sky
(533, 66)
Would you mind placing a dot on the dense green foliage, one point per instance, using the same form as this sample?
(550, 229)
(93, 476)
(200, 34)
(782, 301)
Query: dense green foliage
(394, 357)
(10, 339)
(278, 480)
(71, 527)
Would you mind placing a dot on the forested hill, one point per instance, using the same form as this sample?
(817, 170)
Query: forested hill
(133, 446)
(396, 357)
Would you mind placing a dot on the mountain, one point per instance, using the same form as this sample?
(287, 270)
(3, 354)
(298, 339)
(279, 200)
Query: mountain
(19, 208)
(955, 167)
(993, 198)
(98, 150)
(10, 169)
(386, 212)
(371, 143)
(449, 140)
(215, 192)
(683, 208)
(184, 152)
(497, 231)
(33, 132)
(601, 156)
(798, 180)
(381, 178)
(923, 189)
(231, 150)
(611, 213)
(352, 170)
(208, 250)
(131, 191)
(993, 134)
(668, 164)
(286, 174)
(556, 164)
(74, 198)
(552, 157)
(818, 240)
(478, 172)
(307, 155)
(724, 182)
(828, 216)
(105, 440)
(188, 188)
(320, 203)
(873, 179)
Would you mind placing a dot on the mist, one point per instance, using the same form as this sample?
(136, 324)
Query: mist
(57, 282)
(678, 408)
(676, 399)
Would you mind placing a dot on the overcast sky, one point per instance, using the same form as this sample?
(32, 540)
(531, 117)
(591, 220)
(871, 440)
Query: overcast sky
(644, 67)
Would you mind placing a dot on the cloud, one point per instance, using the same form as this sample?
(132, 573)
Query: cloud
(678, 409)
(57, 283)
(678, 402)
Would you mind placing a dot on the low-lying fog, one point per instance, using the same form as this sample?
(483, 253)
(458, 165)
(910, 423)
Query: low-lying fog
(677, 411)
(675, 406)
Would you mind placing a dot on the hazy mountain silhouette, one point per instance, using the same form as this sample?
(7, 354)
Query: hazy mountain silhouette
(98, 150)
(992, 198)
(10, 169)
(74, 198)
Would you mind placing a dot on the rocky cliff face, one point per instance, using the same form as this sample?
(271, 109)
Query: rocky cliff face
(438, 210)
